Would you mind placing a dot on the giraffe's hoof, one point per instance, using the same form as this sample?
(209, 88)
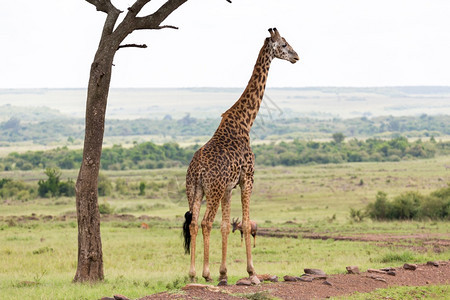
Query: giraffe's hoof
(223, 282)
(208, 279)
(255, 280)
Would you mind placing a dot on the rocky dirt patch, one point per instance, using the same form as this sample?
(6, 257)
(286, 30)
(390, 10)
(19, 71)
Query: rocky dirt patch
(322, 286)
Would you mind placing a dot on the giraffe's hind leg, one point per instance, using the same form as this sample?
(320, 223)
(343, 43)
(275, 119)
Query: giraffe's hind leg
(196, 196)
(212, 204)
(225, 230)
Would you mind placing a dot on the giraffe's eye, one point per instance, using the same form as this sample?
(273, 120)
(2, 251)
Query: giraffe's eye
(284, 45)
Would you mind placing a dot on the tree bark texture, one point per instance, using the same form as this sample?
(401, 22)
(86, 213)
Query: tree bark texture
(90, 255)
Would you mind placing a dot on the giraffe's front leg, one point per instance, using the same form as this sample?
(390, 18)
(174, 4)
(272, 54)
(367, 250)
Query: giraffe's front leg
(246, 190)
(225, 230)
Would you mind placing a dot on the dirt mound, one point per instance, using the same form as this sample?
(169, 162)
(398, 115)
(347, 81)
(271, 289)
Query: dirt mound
(333, 285)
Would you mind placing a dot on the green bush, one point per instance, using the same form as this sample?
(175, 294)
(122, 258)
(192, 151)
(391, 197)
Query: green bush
(54, 187)
(142, 188)
(379, 210)
(67, 188)
(18, 190)
(50, 187)
(406, 206)
(411, 205)
(356, 215)
(105, 209)
(104, 185)
(122, 186)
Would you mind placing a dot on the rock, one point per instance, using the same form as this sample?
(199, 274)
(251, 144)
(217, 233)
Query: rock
(193, 286)
(306, 278)
(376, 271)
(107, 298)
(244, 281)
(326, 282)
(433, 263)
(255, 280)
(223, 282)
(377, 278)
(352, 270)
(388, 269)
(313, 277)
(214, 289)
(392, 273)
(314, 272)
(268, 277)
(290, 278)
(410, 267)
(120, 297)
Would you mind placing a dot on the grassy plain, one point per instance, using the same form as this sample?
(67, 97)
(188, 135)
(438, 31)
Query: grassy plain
(38, 258)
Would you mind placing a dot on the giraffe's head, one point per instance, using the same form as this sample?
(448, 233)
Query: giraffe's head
(281, 48)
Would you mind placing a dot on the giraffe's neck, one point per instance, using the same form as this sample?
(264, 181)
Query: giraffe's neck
(242, 114)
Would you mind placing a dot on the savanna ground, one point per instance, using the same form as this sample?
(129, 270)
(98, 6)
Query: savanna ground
(306, 208)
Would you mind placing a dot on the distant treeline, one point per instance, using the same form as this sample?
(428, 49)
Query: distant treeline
(151, 156)
(43, 128)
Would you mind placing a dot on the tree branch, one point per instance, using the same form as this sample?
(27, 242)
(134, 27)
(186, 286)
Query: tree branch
(102, 5)
(132, 45)
(137, 6)
(113, 13)
(167, 26)
(154, 20)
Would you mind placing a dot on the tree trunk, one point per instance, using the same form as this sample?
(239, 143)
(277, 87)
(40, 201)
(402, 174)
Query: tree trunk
(90, 257)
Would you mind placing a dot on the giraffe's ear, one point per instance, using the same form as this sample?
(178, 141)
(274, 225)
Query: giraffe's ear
(272, 34)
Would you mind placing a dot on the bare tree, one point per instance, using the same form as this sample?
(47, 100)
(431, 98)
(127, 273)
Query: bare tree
(90, 256)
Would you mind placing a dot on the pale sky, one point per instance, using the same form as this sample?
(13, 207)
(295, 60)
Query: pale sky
(51, 44)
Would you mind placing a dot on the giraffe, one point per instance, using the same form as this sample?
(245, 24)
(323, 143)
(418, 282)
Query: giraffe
(226, 161)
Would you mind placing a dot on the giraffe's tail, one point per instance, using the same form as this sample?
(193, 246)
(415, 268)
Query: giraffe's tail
(187, 232)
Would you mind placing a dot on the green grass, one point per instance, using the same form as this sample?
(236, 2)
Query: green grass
(139, 262)
(38, 258)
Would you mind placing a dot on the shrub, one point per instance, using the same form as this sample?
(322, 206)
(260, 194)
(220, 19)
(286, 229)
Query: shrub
(434, 208)
(16, 190)
(406, 206)
(104, 185)
(142, 188)
(53, 187)
(105, 209)
(357, 215)
(410, 205)
(122, 186)
(50, 187)
(67, 188)
(380, 209)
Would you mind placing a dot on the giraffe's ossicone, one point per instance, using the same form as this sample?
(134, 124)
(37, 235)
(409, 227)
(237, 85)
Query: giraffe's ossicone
(226, 161)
